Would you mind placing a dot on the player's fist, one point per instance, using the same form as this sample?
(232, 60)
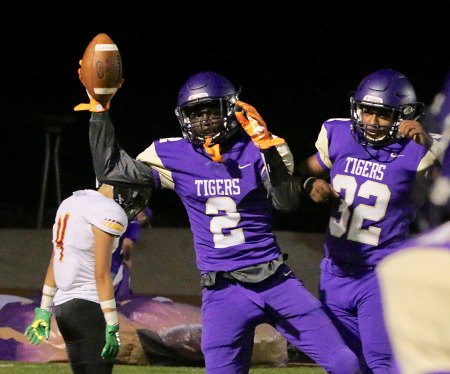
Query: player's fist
(319, 190)
(255, 126)
(412, 129)
(92, 105)
(40, 327)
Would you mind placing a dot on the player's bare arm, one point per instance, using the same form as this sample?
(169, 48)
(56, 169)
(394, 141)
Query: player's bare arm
(102, 252)
(312, 181)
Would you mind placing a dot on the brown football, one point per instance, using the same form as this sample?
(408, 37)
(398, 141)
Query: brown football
(101, 68)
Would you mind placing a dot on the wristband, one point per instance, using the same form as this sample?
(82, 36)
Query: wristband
(108, 304)
(306, 181)
(48, 293)
(111, 318)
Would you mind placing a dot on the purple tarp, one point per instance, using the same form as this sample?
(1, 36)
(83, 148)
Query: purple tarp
(152, 330)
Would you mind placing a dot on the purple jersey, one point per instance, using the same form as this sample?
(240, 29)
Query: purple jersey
(376, 207)
(438, 237)
(415, 286)
(227, 204)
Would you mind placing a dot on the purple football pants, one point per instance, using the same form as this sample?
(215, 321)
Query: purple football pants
(353, 301)
(231, 311)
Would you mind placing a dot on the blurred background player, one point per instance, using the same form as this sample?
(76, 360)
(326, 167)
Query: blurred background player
(121, 263)
(437, 116)
(373, 160)
(78, 285)
(415, 281)
(230, 173)
(436, 120)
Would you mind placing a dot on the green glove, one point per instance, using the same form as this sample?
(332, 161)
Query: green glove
(111, 348)
(40, 327)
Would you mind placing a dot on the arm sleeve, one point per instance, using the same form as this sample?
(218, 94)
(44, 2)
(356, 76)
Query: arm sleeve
(322, 145)
(280, 183)
(111, 163)
(109, 217)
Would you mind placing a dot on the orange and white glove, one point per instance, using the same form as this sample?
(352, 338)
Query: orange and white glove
(255, 127)
(93, 105)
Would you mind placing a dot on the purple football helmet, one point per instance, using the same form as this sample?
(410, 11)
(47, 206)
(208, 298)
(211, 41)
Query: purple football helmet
(213, 93)
(388, 92)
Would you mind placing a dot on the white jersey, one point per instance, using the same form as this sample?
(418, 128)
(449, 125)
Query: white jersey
(73, 242)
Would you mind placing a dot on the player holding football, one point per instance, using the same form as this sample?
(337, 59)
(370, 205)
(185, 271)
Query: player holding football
(373, 161)
(229, 180)
(78, 284)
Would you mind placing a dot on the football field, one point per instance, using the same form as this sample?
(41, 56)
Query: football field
(13, 367)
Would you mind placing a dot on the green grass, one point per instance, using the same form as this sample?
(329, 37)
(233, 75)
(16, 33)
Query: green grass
(13, 367)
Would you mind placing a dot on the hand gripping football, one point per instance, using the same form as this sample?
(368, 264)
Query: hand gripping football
(101, 68)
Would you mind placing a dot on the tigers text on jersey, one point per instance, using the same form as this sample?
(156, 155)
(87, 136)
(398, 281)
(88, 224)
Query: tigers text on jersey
(73, 242)
(226, 202)
(375, 185)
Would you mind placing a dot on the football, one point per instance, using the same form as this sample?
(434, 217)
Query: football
(101, 68)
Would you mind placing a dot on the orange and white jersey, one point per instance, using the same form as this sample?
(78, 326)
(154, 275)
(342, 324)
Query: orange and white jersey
(73, 242)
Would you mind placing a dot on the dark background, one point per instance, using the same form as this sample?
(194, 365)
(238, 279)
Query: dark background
(296, 62)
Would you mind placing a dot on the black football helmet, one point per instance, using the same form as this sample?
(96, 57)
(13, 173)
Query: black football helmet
(208, 92)
(132, 199)
(389, 93)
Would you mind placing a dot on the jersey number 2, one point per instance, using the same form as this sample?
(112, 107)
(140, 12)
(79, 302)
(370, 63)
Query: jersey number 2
(228, 221)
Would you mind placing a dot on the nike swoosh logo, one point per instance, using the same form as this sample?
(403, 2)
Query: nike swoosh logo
(286, 274)
(244, 166)
(395, 155)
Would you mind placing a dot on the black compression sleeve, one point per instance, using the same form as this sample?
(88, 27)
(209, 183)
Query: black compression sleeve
(278, 172)
(111, 163)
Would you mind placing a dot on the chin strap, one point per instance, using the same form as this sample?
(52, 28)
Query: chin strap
(213, 150)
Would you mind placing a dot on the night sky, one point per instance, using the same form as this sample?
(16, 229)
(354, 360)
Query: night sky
(295, 61)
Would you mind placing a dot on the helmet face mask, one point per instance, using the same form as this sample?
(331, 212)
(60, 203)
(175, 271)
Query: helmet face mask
(376, 134)
(206, 109)
(390, 96)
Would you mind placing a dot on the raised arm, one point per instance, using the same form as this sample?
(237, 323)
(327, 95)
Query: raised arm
(277, 157)
(112, 164)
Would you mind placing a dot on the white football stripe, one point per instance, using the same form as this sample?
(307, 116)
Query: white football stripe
(104, 91)
(106, 47)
